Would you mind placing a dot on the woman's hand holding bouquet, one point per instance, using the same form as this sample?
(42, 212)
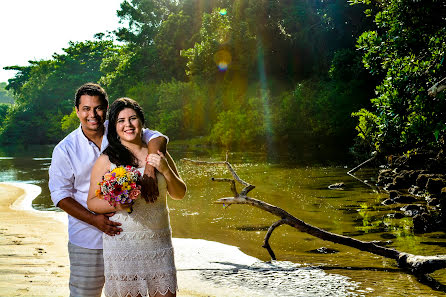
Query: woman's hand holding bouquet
(120, 187)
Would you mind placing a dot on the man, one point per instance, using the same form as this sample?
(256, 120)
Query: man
(69, 182)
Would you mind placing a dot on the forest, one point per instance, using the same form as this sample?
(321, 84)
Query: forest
(345, 75)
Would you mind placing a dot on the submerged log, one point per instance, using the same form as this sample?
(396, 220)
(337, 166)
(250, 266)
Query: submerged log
(437, 88)
(416, 264)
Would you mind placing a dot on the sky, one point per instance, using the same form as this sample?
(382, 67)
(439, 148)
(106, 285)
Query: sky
(35, 29)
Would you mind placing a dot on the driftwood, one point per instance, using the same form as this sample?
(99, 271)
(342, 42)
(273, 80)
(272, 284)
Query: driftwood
(416, 264)
(437, 88)
(352, 171)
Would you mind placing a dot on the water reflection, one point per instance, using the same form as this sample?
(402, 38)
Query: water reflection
(301, 189)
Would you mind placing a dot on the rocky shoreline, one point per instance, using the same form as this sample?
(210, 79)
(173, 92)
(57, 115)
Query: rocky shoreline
(417, 181)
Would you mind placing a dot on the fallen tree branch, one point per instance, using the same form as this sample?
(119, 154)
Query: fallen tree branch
(231, 181)
(416, 264)
(350, 172)
(437, 88)
(268, 235)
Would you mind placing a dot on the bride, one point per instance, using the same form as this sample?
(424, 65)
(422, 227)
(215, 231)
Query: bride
(139, 261)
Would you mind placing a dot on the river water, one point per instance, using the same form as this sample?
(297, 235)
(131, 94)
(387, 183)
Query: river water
(297, 187)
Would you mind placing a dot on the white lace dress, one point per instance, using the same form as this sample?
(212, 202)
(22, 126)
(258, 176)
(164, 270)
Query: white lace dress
(140, 260)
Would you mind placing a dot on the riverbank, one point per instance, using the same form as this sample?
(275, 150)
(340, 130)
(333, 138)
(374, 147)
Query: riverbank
(34, 260)
(33, 252)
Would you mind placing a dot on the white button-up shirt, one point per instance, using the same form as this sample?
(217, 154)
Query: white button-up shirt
(69, 176)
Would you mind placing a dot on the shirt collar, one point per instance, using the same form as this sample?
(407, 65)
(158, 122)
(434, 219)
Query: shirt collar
(104, 142)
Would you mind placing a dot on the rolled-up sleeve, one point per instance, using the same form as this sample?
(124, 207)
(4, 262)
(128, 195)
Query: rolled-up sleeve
(61, 176)
(148, 134)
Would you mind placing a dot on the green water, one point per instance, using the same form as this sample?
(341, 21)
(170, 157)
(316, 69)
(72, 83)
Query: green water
(299, 188)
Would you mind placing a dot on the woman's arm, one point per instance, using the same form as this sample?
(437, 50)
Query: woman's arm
(166, 166)
(94, 203)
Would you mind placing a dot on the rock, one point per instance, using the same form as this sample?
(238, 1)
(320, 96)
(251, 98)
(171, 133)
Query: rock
(422, 180)
(435, 185)
(388, 236)
(443, 193)
(421, 223)
(415, 160)
(405, 178)
(393, 194)
(386, 173)
(396, 215)
(412, 209)
(388, 202)
(405, 199)
(415, 190)
(336, 186)
(385, 177)
(390, 186)
(323, 250)
(434, 202)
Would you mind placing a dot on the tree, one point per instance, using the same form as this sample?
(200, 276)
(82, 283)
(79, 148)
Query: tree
(43, 91)
(406, 53)
(138, 60)
(4, 109)
(5, 96)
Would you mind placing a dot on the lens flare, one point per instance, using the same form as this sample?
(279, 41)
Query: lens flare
(222, 59)
(222, 66)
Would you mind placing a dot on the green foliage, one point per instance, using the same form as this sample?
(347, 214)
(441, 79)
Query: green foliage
(368, 127)
(144, 18)
(214, 34)
(175, 34)
(69, 122)
(240, 126)
(147, 96)
(5, 96)
(43, 91)
(406, 53)
(4, 109)
(173, 98)
(236, 72)
(129, 67)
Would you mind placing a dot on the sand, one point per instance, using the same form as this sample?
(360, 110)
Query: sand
(33, 249)
(34, 260)
(34, 257)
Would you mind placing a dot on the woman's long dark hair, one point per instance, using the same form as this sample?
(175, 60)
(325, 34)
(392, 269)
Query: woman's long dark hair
(116, 151)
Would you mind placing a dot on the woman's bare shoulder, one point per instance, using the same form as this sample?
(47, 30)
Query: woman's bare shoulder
(103, 162)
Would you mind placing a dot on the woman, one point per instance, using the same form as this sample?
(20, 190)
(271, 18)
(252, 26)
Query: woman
(139, 261)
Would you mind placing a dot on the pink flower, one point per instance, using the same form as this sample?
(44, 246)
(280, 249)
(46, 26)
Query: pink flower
(134, 194)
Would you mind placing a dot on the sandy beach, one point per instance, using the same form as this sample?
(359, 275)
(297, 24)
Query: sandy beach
(33, 249)
(34, 260)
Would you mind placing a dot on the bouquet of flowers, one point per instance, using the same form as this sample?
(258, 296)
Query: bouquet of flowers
(120, 186)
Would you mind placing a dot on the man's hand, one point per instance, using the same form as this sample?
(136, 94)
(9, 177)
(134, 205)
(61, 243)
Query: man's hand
(149, 185)
(103, 223)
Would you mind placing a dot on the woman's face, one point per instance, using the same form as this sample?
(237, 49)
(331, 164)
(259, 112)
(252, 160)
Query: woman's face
(128, 125)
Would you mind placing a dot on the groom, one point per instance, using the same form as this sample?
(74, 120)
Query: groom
(69, 182)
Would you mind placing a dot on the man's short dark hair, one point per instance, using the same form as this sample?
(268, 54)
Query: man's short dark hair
(91, 89)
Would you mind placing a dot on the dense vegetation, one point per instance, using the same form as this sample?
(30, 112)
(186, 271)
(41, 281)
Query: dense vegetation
(245, 72)
(405, 51)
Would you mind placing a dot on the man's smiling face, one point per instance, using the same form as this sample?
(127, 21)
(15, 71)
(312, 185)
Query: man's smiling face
(91, 113)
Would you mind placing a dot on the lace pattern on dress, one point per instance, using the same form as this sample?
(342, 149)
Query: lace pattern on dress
(140, 261)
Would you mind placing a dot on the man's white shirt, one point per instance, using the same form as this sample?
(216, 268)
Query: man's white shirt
(69, 176)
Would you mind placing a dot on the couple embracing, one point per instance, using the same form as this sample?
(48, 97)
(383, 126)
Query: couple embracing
(130, 251)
